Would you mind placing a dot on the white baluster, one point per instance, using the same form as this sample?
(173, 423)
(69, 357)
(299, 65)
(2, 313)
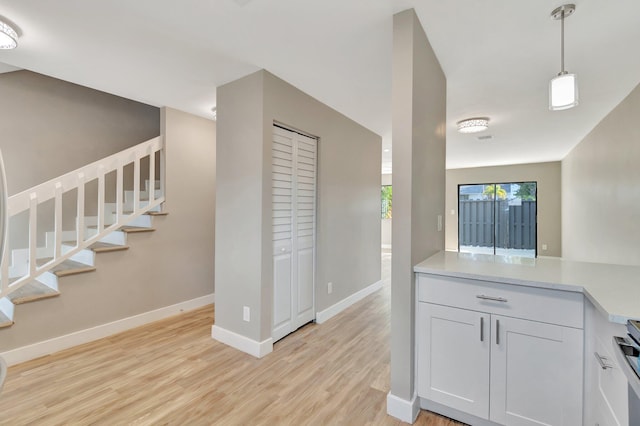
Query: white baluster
(33, 232)
(58, 221)
(80, 210)
(100, 198)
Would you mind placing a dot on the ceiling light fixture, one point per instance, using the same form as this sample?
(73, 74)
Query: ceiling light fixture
(563, 89)
(473, 125)
(8, 36)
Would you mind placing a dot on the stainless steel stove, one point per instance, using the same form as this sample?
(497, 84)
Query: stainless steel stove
(627, 351)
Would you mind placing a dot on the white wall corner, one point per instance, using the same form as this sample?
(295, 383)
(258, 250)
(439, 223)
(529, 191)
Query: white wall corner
(401, 409)
(47, 347)
(242, 343)
(333, 310)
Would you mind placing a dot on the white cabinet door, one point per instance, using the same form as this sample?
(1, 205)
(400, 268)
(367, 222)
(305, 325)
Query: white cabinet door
(293, 214)
(453, 358)
(536, 373)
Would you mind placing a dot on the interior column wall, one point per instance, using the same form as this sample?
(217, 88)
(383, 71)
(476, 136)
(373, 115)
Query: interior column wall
(419, 114)
(348, 200)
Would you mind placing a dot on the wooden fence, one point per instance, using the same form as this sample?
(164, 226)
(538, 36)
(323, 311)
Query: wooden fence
(515, 225)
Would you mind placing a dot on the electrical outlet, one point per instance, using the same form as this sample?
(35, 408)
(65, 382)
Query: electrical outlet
(246, 314)
(329, 288)
(439, 222)
(544, 247)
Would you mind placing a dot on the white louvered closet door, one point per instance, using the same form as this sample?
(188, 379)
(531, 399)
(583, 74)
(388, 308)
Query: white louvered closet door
(294, 218)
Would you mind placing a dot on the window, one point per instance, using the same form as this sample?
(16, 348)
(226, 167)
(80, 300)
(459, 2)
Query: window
(498, 218)
(386, 196)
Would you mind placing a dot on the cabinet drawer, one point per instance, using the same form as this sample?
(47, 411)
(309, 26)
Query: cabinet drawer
(536, 304)
(612, 385)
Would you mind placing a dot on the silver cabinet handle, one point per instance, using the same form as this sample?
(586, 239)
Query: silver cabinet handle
(482, 329)
(497, 331)
(493, 299)
(602, 361)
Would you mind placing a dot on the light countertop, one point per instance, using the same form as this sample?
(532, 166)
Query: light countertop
(613, 289)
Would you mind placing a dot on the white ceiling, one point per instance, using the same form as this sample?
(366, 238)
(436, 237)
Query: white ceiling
(498, 56)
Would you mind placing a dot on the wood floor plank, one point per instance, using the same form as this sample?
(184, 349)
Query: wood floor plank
(172, 372)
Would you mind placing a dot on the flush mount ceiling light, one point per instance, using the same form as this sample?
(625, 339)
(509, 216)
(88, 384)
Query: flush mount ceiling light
(8, 36)
(563, 89)
(473, 125)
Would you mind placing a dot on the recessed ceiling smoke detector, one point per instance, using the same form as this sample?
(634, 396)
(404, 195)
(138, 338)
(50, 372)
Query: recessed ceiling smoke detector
(473, 125)
(8, 36)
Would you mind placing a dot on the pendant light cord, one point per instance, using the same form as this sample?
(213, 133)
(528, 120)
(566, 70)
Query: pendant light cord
(562, 71)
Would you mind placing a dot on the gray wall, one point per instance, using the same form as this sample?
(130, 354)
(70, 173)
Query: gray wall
(419, 114)
(548, 176)
(50, 127)
(601, 190)
(162, 268)
(348, 209)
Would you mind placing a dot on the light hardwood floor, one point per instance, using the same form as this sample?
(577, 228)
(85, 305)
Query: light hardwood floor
(172, 372)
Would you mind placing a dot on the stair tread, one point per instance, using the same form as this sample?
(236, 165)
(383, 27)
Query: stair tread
(5, 321)
(102, 247)
(133, 229)
(148, 212)
(71, 267)
(31, 292)
(152, 213)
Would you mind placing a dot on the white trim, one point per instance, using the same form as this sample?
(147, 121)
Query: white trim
(47, 347)
(386, 246)
(334, 310)
(242, 343)
(401, 409)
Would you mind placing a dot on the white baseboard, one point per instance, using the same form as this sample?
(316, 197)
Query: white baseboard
(401, 409)
(242, 343)
(47, 347)
(334, 310)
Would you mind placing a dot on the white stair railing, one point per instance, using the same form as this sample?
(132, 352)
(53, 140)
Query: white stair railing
(31, 199)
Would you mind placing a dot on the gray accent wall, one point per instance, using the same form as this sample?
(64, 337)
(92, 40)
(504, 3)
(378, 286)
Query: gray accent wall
(601, 190)
(50, 127)
(348, 200)
(419, 114)
(162, 268)
(548, 176)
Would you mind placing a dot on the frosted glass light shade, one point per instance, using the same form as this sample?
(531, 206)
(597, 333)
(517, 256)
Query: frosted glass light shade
(8, 37)
(563, 92)
(473, 125)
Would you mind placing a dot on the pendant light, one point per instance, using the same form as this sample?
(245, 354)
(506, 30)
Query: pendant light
(563, 89)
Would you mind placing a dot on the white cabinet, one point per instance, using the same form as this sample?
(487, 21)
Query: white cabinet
(476, 356)
(453, 364)
(536, 373)
(606, 400)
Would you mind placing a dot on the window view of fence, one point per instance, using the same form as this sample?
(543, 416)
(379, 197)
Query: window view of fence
(498, 218)
(386, 196)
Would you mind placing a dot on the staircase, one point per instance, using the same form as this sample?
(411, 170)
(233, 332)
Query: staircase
(104, 202)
